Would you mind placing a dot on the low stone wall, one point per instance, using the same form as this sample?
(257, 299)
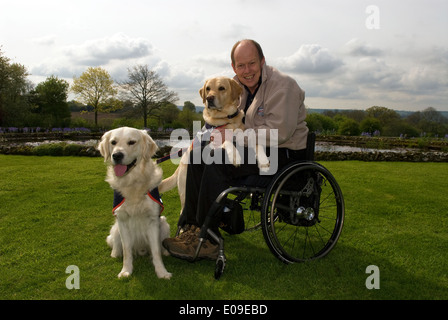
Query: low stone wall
(409, 156)
(63, 149)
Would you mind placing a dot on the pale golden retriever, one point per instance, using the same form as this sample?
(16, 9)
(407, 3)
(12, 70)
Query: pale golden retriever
(138, 227)
(221, 97)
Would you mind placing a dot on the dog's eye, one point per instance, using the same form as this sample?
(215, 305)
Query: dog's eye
(221, 88)
(207, 89)
(132, 142)
(113, 142)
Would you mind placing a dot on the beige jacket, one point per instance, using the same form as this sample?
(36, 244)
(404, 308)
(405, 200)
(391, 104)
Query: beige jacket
(278, 104)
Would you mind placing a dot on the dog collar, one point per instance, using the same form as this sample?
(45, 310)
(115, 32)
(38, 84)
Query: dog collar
(233, 115)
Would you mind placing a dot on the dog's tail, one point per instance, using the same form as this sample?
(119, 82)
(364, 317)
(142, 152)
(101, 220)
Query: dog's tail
(170, 182)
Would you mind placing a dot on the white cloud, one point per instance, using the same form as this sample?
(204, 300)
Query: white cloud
(48, 40)
(117, 52)
(358, 48)
(310, 58)
(102, 51)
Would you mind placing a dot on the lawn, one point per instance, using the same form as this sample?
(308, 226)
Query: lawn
(56, 212)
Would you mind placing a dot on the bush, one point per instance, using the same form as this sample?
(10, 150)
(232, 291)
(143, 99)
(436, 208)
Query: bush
(52, 149)
(58, 149)
(317, 122)
(370, 125)
(72, 150)
(349, 127)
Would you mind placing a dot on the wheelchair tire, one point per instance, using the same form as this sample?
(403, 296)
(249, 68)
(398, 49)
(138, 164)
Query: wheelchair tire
(302, 214)
(219, 267)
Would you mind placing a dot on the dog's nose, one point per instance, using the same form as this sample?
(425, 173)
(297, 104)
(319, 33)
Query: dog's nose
(118, 157)
(210, 101)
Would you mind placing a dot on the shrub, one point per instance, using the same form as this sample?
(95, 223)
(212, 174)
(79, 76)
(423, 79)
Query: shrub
(349, 127)
(52, 149)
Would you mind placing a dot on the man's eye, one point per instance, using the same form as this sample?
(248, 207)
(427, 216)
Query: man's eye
(132, 142)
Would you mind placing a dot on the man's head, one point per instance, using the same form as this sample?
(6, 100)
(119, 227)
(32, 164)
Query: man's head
(247, 62)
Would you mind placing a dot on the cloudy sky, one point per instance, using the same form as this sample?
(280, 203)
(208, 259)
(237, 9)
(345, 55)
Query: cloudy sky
(344, 54)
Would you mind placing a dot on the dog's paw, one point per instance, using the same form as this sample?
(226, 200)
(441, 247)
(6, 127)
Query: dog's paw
(124, 275)
(264, 167)
(115, 254)
(164, 275)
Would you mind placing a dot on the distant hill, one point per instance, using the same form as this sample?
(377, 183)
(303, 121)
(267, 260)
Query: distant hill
(402, 113)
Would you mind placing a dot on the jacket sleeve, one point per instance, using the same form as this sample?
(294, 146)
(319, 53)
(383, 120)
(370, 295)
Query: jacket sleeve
(284, 110)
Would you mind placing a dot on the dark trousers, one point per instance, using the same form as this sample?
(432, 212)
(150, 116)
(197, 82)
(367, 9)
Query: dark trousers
(205, 181)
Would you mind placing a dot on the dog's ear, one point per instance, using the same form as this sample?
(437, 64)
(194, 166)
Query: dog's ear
(236, 89)
(149, 147)
(202, 92)
(104, 146)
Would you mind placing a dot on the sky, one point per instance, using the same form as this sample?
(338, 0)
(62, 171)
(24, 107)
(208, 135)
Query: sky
(346, 54)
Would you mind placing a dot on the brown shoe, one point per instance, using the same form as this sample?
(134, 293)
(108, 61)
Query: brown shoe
(208, 250)
(187, 232)
(184, 246)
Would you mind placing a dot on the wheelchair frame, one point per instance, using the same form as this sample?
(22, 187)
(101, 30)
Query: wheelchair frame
(302, 211)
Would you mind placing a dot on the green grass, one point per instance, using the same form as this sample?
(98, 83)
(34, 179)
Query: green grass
(56, 212)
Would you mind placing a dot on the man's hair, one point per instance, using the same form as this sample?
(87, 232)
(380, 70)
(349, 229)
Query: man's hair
(255, 43)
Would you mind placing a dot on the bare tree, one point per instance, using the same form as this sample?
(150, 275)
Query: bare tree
(146, 90)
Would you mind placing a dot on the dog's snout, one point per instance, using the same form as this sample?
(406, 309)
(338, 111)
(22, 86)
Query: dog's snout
(118, 157)
(210, 101)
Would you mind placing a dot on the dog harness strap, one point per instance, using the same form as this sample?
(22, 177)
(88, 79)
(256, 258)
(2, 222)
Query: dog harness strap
(153, 195)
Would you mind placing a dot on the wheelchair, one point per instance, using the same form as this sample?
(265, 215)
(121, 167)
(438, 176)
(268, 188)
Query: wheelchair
(301, 211)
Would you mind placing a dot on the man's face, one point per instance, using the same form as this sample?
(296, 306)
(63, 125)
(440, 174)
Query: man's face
(248, 65)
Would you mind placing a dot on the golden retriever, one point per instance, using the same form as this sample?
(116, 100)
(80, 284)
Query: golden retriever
(221, 97)
(138, 227)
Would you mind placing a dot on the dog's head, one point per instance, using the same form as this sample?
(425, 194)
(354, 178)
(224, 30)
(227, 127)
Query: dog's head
(125, 148)
(220, 92)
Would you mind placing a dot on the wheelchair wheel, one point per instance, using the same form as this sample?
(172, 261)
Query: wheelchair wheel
(302, 213)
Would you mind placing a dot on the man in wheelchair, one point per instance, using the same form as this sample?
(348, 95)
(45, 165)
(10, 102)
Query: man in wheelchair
(272, 101)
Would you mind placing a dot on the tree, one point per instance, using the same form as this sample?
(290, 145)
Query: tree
(383, 114)
(147, 91)
(370, 125)
(189, 105)
(349, 127)
(168, 113)
(50, 98)
(13, 88)
(96, 88)
(320, 123)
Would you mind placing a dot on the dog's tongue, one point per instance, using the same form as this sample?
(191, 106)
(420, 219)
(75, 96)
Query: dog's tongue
(120, 170)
